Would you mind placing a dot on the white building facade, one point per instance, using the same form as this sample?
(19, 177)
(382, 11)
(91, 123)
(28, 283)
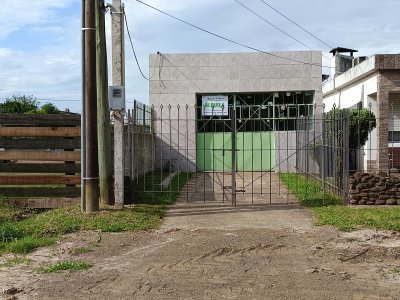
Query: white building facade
(373, 83)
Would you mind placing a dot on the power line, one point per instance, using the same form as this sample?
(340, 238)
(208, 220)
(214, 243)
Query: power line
(276, 27)
(133, 48)
(59, 100)
(179, 70)
(227, 39)
(301, 27)
(134, 52)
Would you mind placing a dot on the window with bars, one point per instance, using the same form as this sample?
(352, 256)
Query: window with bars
(278, 111)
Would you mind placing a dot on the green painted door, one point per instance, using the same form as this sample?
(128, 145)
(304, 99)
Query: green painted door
(214, 151)
(255, 151)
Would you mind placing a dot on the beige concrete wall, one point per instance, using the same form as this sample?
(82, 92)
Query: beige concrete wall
(140, 158)
(176, 79)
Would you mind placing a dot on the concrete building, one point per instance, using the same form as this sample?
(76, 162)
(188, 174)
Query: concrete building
(374, 83)
(269, 89)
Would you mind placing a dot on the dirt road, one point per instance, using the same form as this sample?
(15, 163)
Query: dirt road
(272, 253)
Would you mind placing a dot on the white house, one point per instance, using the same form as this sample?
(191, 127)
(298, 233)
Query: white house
(373, 83)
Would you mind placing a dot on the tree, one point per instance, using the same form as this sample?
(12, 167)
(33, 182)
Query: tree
(20, 104)
(361, 123)
(48, 108)
(27, 105)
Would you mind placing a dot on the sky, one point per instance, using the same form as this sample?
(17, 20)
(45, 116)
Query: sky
(40, 40)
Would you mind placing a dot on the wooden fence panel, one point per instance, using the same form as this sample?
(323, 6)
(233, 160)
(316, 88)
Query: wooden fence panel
(41, 179)
(40, 131)
(37, 151)
(40, 168)
(40, 120)
(40, 143)
(29, 192)
(40, 155)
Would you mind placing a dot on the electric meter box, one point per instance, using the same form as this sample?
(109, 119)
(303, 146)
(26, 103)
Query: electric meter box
(116, 97)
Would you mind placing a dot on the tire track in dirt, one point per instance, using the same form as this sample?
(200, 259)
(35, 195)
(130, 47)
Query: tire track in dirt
(220, 264)
(213, 258)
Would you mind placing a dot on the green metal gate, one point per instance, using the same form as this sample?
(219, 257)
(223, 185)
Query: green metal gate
(226, 147)
(238, 137)
(254, 151)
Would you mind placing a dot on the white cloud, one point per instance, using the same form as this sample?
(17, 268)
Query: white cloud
(18, 14)
(49, 72)
(5, 53)
(54, 71)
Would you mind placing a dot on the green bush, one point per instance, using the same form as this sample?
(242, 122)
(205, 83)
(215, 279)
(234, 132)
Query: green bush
(26, 105)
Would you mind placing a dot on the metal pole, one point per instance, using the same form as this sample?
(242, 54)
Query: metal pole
(118, 78)
(133, 135)
(187, 152)
(345, 140)
(204, 162)
(233, 125)
(323, 153)
(223, 156)
(92, 167)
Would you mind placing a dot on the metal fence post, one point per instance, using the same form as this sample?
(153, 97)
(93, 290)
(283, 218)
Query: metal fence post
(233, 125)
(345, 142)
(307, 151)
(323, 154)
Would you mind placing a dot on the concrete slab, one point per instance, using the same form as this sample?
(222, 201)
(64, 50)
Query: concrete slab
(265, 203)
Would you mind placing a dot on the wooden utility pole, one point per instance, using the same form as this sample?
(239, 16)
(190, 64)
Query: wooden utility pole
(83, 114)
(118, 78)
(91, 179)
(103, 112)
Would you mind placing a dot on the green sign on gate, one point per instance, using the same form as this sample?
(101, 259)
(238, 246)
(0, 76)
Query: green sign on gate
(214, 105)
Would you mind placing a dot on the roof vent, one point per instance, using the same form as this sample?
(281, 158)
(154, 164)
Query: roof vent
(338, 50)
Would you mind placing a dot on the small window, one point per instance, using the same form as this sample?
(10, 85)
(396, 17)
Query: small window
(394, 136)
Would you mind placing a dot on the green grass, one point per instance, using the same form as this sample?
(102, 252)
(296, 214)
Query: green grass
(22, 231)
(348, 218)
(8, 213)
(328, 209)
(44, 228)
(66, 266)
(308, 191)
(395, 270)
(17, 260)
(26, 244)
(149, 190)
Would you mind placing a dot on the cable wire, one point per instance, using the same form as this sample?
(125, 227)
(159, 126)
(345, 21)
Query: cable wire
(301, 27)
(227, 39)
(180, 71)
(60, 100)
(133, 48)
(276, 27)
